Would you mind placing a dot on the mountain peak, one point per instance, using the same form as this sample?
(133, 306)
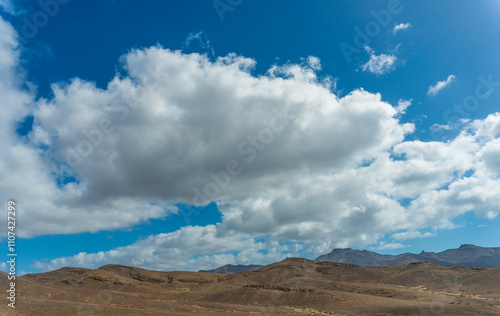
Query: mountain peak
(467, 255)
(465, 246)
(342, 249)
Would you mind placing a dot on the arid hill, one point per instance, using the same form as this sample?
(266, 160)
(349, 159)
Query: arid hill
(294, 286)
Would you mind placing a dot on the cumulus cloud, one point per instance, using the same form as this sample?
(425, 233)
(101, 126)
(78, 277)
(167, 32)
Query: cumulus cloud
(292, 166)
(195, 125)
(352, 206)
(27, 171)
(379, 64)
(401, 27)
(440, 85)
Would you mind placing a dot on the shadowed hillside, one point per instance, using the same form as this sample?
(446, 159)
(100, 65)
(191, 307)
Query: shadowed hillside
(229, 268)
(465, 256)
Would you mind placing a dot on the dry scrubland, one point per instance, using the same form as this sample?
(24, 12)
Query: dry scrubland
(291, 287)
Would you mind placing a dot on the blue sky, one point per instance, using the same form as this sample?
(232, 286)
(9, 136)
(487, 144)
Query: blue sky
(391, 141)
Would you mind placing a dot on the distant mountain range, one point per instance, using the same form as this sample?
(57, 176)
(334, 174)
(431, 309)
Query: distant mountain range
(229, 268)
(465, 256)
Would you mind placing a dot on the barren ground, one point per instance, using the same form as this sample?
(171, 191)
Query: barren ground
(292, 287)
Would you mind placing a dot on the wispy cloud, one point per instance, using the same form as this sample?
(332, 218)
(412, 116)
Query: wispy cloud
(433, 90)
(411, 234)
(198, 42)
(401, 27)
(389, 246)
(379, 64)
(314, 62)
(7, 6)
(403, 105)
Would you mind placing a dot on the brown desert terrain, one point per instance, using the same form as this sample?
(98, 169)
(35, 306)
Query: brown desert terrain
(294, 286)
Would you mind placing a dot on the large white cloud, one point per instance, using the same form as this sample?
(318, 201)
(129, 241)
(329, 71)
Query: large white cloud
(179, 124)
(284, 158)
(27, 172)
(350, 206)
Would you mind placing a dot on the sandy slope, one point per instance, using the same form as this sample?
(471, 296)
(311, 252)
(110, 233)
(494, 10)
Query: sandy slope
(292, 287)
